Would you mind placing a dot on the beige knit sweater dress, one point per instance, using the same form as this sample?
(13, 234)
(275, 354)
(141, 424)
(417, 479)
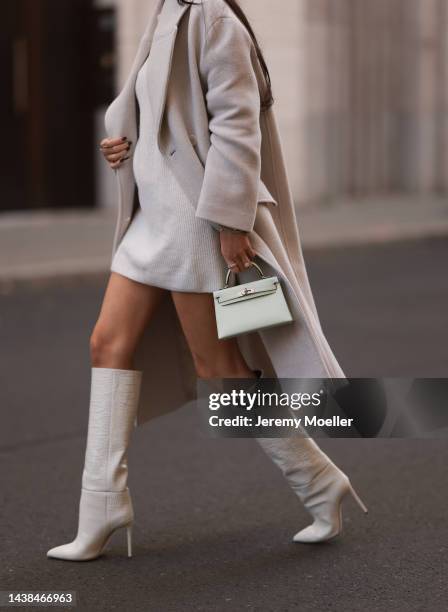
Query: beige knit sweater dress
(165, 245)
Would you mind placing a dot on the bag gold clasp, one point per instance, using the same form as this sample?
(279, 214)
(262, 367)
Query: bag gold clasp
(246, 291)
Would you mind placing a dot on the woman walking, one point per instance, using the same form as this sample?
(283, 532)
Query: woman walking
(202, 187)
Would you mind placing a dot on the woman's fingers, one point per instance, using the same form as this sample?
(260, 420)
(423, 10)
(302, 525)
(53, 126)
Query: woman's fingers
(233, 262)
(240, 262)
(237, 267)
(115, 154)
(251, 252)
(115, 150)
(245, 260)
(237, 250)
(115, 165)
(119, 162)
(247, 255)
(108, 143)
(113, 157)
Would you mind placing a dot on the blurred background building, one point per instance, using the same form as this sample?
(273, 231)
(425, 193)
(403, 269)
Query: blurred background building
(361, 92)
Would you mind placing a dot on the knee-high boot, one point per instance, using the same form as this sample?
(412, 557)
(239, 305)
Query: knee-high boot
(316, 480)
(105, 502)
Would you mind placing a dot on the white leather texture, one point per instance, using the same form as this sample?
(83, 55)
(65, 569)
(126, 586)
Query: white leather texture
(263, 307)
(114, 396)
(105, 502)
(317, 481)
(100, 514)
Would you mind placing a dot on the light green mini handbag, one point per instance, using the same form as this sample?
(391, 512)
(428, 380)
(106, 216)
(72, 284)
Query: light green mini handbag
(241, 309)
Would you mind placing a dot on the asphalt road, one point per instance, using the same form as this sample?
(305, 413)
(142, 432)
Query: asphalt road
(214, 518)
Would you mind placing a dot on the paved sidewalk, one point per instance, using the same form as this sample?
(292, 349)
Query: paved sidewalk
(46, 244)
(374, 220)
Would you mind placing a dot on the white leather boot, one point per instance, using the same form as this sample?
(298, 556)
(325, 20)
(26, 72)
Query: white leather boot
(316, 480)
(105, 503)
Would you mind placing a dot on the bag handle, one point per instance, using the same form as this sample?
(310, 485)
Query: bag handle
(252, 263)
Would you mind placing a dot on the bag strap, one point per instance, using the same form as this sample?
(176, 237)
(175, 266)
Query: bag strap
(252, 263)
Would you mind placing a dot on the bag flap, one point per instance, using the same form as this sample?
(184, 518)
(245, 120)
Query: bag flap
(247, 291)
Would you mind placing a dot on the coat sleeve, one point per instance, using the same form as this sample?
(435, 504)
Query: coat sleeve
(229, 191)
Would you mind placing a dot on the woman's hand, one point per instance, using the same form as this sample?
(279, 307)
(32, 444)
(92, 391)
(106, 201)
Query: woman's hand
(115, 150)
(236, 250)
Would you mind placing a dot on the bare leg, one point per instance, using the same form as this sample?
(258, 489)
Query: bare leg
(105, 502)
(127, 308)
(213, 358)
(316, 480)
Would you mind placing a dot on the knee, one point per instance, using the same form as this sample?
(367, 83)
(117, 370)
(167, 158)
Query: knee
(108, 347)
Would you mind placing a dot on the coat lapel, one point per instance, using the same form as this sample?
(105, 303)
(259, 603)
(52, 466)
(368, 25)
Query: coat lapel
(121, 116)
(162, 47)
(159, 38)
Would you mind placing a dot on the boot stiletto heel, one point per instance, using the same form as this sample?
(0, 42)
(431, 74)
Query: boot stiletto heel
(358, 500)
(323, 499)
(129, 539)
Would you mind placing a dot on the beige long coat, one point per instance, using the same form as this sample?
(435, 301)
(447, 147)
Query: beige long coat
(227, 156)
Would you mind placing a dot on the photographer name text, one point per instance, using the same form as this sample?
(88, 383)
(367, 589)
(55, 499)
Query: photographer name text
(293, 422)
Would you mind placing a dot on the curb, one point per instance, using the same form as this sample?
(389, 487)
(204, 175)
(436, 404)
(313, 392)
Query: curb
(79, 270)
(45, 235)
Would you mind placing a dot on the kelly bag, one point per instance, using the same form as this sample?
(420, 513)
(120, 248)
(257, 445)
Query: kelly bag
(241, 309)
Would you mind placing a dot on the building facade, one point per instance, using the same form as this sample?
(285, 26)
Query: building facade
(360, 91)
(360, 87)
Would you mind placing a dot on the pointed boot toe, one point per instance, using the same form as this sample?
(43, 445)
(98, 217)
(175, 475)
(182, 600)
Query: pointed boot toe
(59, 552)
(315, 533)
(323, 498)
(101, 513)
(68, 552)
